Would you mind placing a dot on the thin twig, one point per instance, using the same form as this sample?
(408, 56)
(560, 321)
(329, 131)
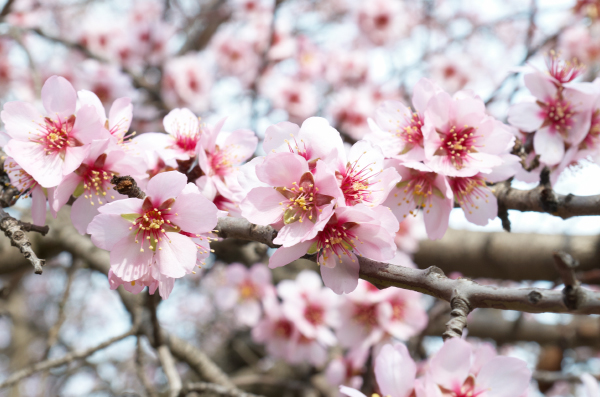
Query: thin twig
(12, 229)
(218, 389)
(168, 363)
(57, 362)
(139, 369)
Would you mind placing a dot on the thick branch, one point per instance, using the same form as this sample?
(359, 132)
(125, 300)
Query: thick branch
(432, 281)
(12, 229)
(543, 199)
(57, 362)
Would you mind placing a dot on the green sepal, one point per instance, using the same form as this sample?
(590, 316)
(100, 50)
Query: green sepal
(130, 217)
(438, 193)
(401, 184)
(288, 217)
(313, 248)
(78, 190)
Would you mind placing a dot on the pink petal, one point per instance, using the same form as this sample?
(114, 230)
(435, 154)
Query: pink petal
(276, 134)
(483, 210)
(38, 206)
(540, 85)
(165, 286)
(108, 230)
(59, 97)
(45, 169)
(181, 122)
(126, 260)
(504, 377)
(549, 145)
(88, 126)
(165, 185)
(74, 156)
(281, 169)
(126, 206)
(286, 255)
(248, 313)
(320, 138)
(82, 214)
(241, 145)
(375, 242)
(89, 98)
(177, 257)
(261, 206)
(236, 273)
(395, 371)
(450, 366)
(296, 232)
(121, 113)
(260, 274)
(343, 278)
(20, 120)
(423, 91)
(524, 116)
(196, 214)
(64, 190)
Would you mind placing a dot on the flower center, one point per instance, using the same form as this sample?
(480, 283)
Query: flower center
(303, 200)
(365, 314)
(457, 144)
(18, 177)
(247, 290)
(468, 189)
(314, 314)
(411, 132)
(153, 224)
(54, 135)
(558, 114)
(336, 239)
(221, 161)
(418, 190)
(356, 183)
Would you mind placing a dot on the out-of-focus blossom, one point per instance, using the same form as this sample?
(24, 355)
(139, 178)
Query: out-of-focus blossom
(350, 108)
(452, 72)
(187, 83)
(244, 291)
(382, 21)
(347, 370)
(298, 98)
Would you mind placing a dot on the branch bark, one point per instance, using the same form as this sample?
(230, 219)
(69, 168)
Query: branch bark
(12, 229)
(217, 389)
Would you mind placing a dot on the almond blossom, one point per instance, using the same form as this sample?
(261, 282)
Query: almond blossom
(421, 188)
(159, 236)
(452, 370)
(28, 186)
(350, 231)
(311, 307)
(292, 199)
(462, 139)
(90, 182)
(50, 147)
(560, 117)
(244, 291)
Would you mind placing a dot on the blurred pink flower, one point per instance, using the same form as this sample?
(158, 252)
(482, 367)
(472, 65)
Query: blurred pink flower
(383, 21)
(187, 83)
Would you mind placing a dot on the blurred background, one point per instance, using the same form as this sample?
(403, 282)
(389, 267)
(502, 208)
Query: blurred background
(258, 63)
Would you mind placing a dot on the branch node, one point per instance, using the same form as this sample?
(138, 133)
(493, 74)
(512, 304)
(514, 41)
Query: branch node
(458, 317)
(566, 265)
(534, 297)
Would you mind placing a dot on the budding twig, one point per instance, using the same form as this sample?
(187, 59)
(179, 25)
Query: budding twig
(12, 229)
(126, 185)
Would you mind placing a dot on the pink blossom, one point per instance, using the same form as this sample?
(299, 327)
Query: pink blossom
(462, 139)
(350, 108)
(398, 130)
(90, 182)
(182, 138)
(401, 313)
(161, 235)
(382, 21)
(314, 140)
(451, 369)
(298, 98)
(477, 201)
(421, 188)
(561, 115)
(395, 372)
(28, 186)
(50, 147)
(347, 68)
(312, 308)
(453, 71)
(351, 231)
(311, 60)
(293, 199)
(221, 153)
(347, 370)
(187, 82)
(119, 117)
(164, 284)
(283, 340)
(236, 57)
(244, 291)
(363, 177)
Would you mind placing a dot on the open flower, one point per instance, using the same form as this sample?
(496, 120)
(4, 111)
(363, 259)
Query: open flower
(90, 182)
(49, 147)
(119, 117)
(351, 231)
(292, 198)
(159, 235)
(28, 186)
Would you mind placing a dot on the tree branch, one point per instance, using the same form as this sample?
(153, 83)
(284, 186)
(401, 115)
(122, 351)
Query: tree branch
(57, 362)
(12, 229)
(168, 364)
(218, 389)
(126, 185)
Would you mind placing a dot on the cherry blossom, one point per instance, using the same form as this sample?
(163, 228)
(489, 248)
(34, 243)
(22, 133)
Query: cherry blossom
(244, 291)
(156, 235)
(50, 147)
